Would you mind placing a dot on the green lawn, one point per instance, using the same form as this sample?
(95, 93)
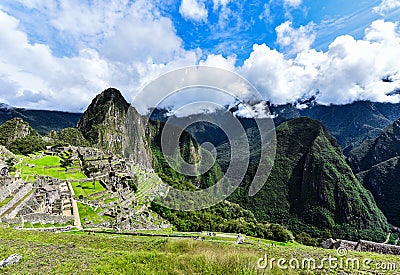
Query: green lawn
(87, 212)
(81, 253)
(86, 189)
(48, 166)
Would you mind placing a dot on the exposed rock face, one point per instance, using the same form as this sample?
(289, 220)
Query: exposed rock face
(367, 246)
(137, 138)
(103, 122)
(377, 165)
(311, 186)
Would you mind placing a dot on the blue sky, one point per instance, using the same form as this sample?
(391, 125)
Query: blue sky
(59, 54)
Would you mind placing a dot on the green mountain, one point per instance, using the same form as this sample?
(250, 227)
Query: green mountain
(311, 188)
(40, 120)
(376, 163)
(110, 116)
(19, 137)
(110, 123)
(71, 136)
(353, 123)
(102, 124)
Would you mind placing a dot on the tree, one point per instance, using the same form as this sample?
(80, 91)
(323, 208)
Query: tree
(306, 239)
(66, 161)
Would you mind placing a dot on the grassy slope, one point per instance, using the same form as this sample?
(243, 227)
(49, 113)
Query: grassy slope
(49, 253)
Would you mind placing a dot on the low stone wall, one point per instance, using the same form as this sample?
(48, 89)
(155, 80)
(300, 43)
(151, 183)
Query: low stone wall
(50, 229)
(17, 209)
(42, 218)
(21, 193)
(349, 245)
(9, 189)
(362, 246)
(367, 246)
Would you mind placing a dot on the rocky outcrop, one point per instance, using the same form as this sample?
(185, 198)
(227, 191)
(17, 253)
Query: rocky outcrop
(102, 124)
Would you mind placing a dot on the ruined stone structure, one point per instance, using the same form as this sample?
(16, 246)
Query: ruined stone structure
(49, 201)
(362, 246)
(367, 246)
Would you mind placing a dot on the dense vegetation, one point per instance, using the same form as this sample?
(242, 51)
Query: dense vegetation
(69, 136)
(20, 138)
(223, 217)
(40, 120)
(312, 189)
(377, 164)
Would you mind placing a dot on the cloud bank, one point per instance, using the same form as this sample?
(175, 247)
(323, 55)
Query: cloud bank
(126, 45)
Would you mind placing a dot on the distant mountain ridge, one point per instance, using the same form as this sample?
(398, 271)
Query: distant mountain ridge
(350, 124)
(377, 164)
(41, 120)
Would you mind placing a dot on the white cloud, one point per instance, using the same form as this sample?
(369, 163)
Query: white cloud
(137, 48)
(280, 80)
(220, 62)
(60, 83)
(295, 40)
(293, 3)
(137, 44)
(387, 5)
(350, 70)
(142, 35)
(193, 10)
(222, 3)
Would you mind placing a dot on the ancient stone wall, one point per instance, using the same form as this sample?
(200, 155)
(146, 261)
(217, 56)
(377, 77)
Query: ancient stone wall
(42, 218)
(17, 209)
(21, 193)
(349, 245)
(8, 189)
(367, 246)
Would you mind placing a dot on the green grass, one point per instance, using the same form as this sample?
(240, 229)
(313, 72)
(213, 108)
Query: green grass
(5, 201)
(48, 166)
(80, 253)
(88, 213)
(86, 189)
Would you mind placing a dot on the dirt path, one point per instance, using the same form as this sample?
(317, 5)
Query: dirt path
(75, 211)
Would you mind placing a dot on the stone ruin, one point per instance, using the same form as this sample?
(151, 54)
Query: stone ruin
(49, 203)
(362, 246)
(3, 170)
(13, 259)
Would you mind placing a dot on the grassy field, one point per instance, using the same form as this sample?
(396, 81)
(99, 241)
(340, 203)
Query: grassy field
(86, 189)
(88, 213)
(48, 166)
(80, 253)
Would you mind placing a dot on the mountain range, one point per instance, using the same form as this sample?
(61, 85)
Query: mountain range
(311, 187)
